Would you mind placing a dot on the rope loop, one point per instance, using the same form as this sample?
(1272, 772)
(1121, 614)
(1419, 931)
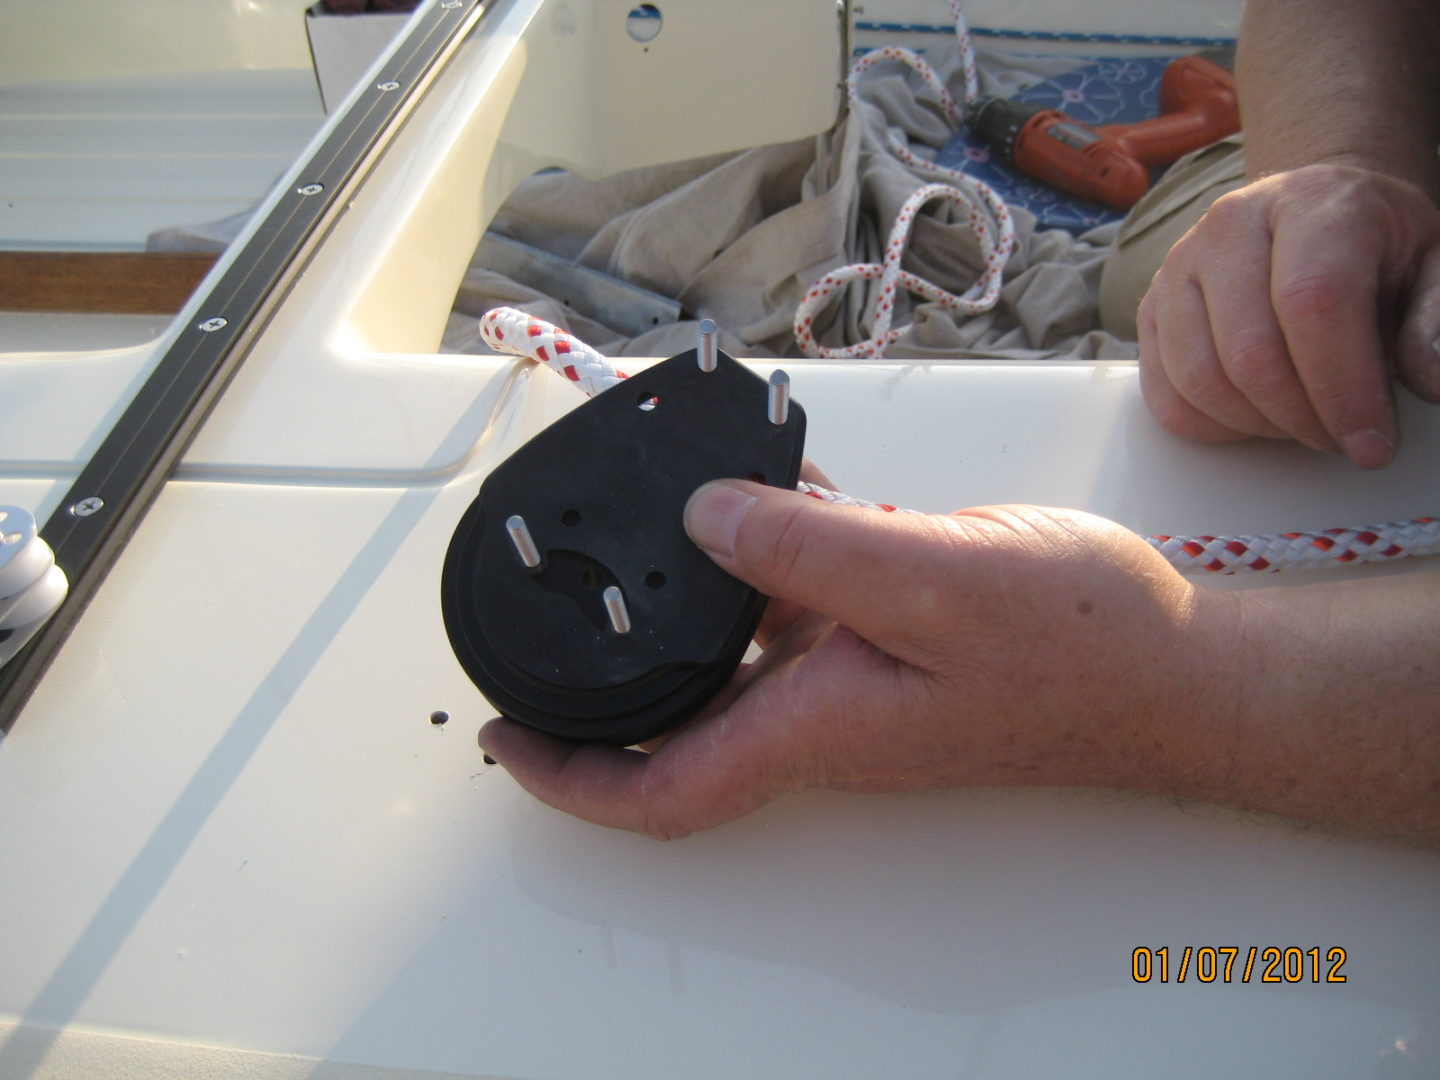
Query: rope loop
(979, 298)
(988, 218)
(953, 112)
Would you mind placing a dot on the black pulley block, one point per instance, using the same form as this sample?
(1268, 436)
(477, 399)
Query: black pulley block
(571, 594)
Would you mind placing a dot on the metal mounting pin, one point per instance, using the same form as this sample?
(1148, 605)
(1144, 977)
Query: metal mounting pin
(615, 608)
(779, 410)
(523, 541)
(705, 345)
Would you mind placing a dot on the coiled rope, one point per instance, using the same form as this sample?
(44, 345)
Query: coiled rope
(987, 217)
(510, 331)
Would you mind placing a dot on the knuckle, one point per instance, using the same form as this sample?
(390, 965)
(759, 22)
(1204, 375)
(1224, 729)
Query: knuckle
(1189, 423)
(1349, 408)
(1257, 367)
(1192, 379)
(1160, 396)
(1174, 417)
(1313, 295)
(1179, 417)
(1222, 217)
(1145, 312)
(1180, 271)
(1202, 385)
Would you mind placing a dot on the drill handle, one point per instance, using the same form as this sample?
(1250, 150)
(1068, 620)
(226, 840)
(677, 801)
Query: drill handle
(1197, 106)
(1164, 139)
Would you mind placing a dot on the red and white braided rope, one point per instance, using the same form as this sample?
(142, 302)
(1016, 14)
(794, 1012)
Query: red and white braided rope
(979, 298)
(507, 330)
(510, 331)
(953, 112)
(1269, 553)
(988, 219)
(967, 52)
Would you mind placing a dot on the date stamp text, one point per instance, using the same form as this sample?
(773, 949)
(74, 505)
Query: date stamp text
(1238, 964)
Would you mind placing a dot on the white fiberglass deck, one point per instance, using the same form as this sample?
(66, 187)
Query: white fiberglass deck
(233, 823)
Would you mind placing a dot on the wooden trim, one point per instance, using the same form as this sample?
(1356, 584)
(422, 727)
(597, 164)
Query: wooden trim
(113, 283)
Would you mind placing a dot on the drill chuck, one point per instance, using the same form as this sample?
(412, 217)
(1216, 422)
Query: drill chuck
(997, 123)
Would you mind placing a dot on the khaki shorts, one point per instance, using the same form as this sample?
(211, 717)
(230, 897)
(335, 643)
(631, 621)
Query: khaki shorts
(1165, 214)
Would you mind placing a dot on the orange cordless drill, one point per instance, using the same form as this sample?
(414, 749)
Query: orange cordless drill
(1111, 164)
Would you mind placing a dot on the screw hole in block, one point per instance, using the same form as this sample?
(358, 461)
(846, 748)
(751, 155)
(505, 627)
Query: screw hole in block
(655, 579)
(439, 716)
(570, 518)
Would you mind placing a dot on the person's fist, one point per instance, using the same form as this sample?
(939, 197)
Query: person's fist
(1287, 309)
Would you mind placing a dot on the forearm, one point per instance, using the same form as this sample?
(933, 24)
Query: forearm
(1327, 709)
(1344, 81)
(1024, 646)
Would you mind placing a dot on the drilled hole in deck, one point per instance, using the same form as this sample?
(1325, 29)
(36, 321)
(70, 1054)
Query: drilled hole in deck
(439, 716)
(655, 579)
(570, 518)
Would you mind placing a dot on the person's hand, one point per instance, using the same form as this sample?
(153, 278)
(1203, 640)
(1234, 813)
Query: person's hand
(1288, 307)
(1002, 645)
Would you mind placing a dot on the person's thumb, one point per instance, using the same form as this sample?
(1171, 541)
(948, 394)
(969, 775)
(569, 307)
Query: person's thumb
(882, 575)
